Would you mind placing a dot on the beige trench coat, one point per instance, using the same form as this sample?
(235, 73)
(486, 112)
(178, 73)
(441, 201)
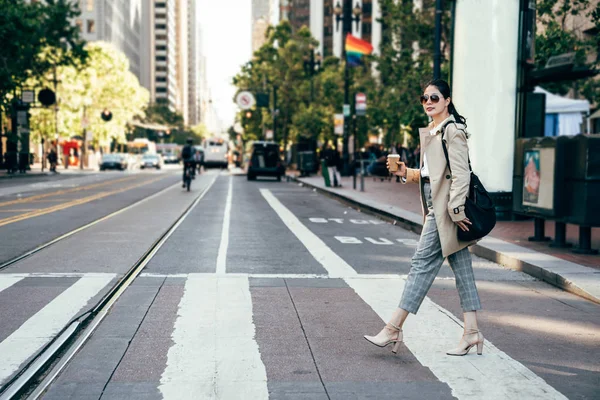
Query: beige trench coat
(448, 192)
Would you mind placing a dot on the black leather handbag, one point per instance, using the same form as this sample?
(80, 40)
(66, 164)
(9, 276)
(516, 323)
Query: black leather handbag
(479, 206)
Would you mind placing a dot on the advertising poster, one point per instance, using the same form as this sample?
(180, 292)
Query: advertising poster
(531, 177)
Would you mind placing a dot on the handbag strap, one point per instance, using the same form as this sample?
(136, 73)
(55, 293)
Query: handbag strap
(446, 149)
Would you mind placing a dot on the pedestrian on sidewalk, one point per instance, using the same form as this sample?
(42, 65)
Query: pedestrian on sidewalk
(444, 197)
(332, 159)
(52, 159)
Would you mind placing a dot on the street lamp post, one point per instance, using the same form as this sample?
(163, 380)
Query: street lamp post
(346, 15)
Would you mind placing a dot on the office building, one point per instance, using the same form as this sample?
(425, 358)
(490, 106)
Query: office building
(159, 43)
(194, 63)
(261, 19)
(183, 74)
(117, 22)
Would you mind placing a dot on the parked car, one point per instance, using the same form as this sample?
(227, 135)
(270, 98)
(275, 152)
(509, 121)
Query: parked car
(170, 158)
(265, 161)
(114, 161)
(151, 161)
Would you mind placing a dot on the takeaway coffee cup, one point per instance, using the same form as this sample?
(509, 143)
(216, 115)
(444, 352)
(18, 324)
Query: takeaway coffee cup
(392, 162)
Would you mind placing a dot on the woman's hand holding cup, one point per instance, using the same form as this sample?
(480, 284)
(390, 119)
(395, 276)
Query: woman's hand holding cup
(395, 166)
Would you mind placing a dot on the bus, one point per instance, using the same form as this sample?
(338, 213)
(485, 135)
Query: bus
(216, 152)
(141, 146)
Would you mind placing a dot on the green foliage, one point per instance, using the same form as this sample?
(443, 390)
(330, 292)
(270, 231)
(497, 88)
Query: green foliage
(162, 115)
(392, 96)
(36, 37)
(86, 89)
(405, 66)
(556, 38)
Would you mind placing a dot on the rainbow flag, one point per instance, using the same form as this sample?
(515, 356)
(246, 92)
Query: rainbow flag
(355, 49)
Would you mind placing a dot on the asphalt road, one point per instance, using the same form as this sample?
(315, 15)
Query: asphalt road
(265, 291)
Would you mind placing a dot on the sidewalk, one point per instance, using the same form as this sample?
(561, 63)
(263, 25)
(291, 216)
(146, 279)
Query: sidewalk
(36, 171)
(507, 245)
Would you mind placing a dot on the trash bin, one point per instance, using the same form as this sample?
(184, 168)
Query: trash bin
(583, 180)
(306, 162)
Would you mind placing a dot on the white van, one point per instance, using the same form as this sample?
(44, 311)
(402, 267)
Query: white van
(216, 151)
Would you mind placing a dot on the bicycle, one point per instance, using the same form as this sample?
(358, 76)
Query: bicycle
(187, 175)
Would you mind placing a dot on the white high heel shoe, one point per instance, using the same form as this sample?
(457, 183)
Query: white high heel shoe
(390, 334)
(467, 342)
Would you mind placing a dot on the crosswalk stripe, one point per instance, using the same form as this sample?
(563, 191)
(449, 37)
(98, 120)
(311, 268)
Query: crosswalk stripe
(334, 264)
(494, 375)
(214, 354)
(222, 256)
(45, 324)
(7, 281)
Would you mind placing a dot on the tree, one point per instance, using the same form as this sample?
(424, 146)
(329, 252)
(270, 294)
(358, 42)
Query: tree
(86, 89)
(36, 37)
(558, 37)
(405, 65)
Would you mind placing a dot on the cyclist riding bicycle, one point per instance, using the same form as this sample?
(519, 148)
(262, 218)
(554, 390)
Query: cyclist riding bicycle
(187, 155)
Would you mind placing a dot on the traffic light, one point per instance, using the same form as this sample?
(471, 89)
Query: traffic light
(248, 114)
(47, 97)
(106, 115)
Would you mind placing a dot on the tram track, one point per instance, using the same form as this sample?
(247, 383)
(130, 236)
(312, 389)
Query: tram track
(39, 373)
(6, 264)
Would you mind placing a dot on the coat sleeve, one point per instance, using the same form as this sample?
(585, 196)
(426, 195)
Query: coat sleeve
(458, 154)
(412, 176)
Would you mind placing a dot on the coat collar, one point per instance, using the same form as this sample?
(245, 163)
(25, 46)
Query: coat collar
(426, 134)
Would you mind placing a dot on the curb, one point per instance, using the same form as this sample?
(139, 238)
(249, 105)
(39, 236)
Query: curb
(559, 273)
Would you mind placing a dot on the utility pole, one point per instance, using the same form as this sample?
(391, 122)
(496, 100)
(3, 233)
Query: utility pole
(55, 82)
(346, 14)
(437, 52)
(84, 146)
(275, 111)
(346, 29)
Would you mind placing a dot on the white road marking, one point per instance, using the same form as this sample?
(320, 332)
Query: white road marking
(46, 323)
(58, 275)
(222, 256)
(494, 375)
(7, 281)
(382, 241)
(214, 355)
(334, 264)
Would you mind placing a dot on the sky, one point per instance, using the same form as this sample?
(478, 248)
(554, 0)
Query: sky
(227, 45)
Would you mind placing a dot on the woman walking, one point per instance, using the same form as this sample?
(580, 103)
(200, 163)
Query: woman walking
(443, 197)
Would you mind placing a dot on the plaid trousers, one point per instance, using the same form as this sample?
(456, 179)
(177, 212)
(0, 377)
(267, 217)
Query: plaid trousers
(426, 264)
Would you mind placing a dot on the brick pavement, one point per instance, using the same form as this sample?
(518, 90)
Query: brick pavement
(394, 193)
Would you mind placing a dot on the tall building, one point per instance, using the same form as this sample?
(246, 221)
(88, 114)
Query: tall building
(194, 63)
(159, 43)
(183, 61)
(261, 19)
(117, 22)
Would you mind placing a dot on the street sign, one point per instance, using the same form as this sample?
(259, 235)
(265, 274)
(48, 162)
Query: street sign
(346, 110)
(262, 100)
(361, 104)
(245, 100)
(28, 96)
(338, 122)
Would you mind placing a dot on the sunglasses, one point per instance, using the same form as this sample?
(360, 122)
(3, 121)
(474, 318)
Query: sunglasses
(434, 98)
